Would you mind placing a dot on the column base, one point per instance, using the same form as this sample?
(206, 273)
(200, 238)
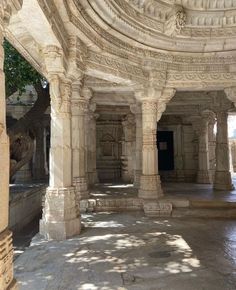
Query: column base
(223, 181)
(154, 208)
(81, 188)
(7, 281)
(92, 178)
(61, 217)
(137, 176)
(204, 177)
(150, 187)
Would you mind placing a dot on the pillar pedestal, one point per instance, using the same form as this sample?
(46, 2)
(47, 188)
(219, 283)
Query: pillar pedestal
(60, 214)
(223, 181)
(81, 186)
(203, 177)
(7, 282)
(150, 187)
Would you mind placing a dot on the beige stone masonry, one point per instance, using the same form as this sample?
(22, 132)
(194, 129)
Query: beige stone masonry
(61, 218)
(80, 98)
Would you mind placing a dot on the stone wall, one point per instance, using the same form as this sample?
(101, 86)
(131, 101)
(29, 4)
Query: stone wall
(25, 205)
(109, 148)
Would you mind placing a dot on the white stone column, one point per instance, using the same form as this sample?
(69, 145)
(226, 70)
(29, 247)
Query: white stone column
(212, 145)
(127, 149)
(223, 179)
(39, 155)
(137, 110)
(91, 145)
(79, 111)
(61, 217)
(200, 125)
(150, 184)
(179, 162)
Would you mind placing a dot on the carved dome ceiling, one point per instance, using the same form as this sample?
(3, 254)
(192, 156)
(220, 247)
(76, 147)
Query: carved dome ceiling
(168, 25)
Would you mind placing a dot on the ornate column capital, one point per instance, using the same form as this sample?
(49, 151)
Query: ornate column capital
(60, 93)
(53, 61)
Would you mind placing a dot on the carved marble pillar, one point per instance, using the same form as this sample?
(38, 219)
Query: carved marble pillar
(179, 162)
(91, 145)
(222, 175)
(212, 145)
(61, 218)
(137, 110)
(7, 280)
(200, 125)
(150, 184)
(127, 171)
(39, 156)
(79, 111)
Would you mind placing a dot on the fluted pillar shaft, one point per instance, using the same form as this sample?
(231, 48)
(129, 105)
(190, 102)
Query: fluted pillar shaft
(203, 175)
(61, 214)
(138, 149)
(223, 179)
(79, 111)
(150, 184)
(91, 147)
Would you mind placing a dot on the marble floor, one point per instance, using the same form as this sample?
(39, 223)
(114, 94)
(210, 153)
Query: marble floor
(130, 251)
(172, 190)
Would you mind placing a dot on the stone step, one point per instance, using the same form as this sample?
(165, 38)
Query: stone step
(204, 212)
(111, 204)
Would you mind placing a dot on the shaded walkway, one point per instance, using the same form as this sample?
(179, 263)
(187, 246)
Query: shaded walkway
(130, 251)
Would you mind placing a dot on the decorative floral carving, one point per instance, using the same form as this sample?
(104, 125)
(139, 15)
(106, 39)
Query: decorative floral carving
(176, 21)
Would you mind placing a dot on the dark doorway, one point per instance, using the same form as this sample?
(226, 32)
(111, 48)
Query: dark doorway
(165, 145)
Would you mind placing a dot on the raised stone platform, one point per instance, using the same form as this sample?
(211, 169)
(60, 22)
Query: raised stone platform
(25, 204)
(179, 200)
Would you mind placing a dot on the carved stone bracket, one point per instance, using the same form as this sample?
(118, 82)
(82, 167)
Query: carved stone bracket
(176, 21)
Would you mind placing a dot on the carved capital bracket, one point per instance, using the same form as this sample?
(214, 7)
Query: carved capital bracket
(60, 93)
(78, 53)
(53, 61)
(167, 95)
(176, 20)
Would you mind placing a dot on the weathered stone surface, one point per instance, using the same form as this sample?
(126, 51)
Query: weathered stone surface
(130, 252)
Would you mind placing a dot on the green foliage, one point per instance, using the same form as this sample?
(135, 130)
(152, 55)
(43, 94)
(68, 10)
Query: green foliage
(18, 71)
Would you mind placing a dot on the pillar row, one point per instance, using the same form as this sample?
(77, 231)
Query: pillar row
(61, 218)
